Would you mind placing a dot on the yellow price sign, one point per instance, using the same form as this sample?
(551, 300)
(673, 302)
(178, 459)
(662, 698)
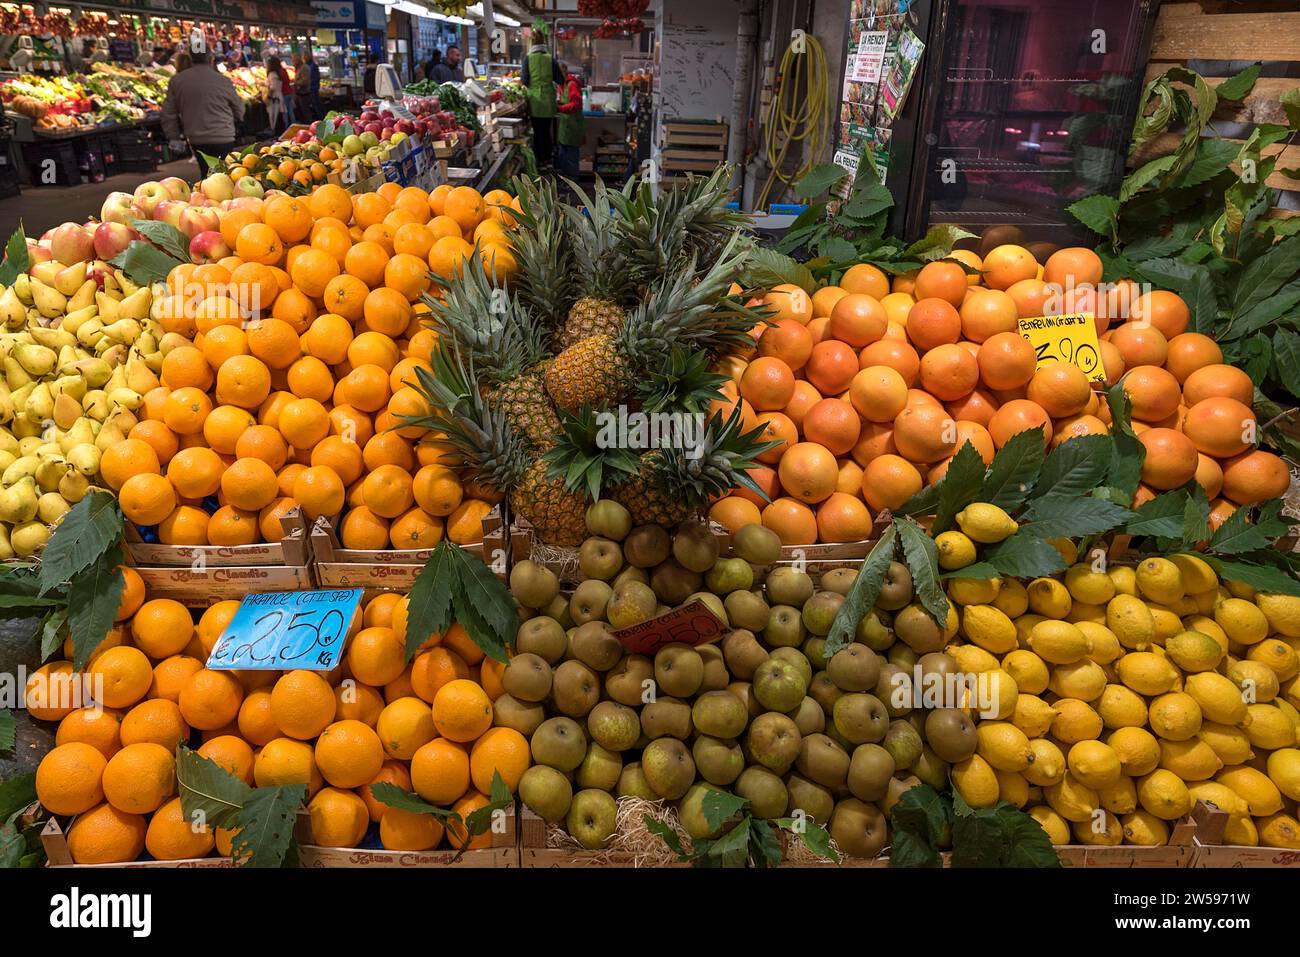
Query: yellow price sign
(1070, 338)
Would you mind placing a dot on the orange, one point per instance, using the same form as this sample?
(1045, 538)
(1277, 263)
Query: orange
(140, 778)
(366, 261)
(274, 342)
(1075, 426)
(941, 279)
(373, 348)
(949, 372)
(231, 753)
(303, 423)
(792, 520)
(309, 378)
(888, 481)
(249, 484)
(834, 424)
(788, 301)
(789, 341)
(388, 448)
(160, 438)
(328, 338)
(265, 443)
(831, 367)
(332, 201)
(254, 287)
(438, 199)
(97, 727)
(1006, 361)
(380, 233)
(1006, 265)
(349, 754)
(406, 830)
(233, 220)
(440, 769)
(362, 528)
(345, 296)
(896, 354)
(105, 835)
(185, 526)
(256, 722)
(1218, 426)
(465, 525)
(1254, 477)
(211, 699)
(808, 472)
(243, 381)
(404, 726)
(171, 836)
(342, 456)
(804, 398)
(54, 690)
(259, 243)
(465, 206)
(302, 704)
(269, 519)
(388, 491)
(319, 491)
(448, 254)
(437, 490)
(1073, 266)
(979, 438)
(1153, 391)
(1140, 345)
(1162, 309)
(224, 425)
(857, 319)
(434, 668)
(924, 433)
(441, 226)
(357, 702)
(376, 656)
(399, 218)
(125, 674)
(162, 627)
(132, 594)
(221, 343)
(1189, 352)
(1016, 416)
(933, 322)
(285, 761)
(146, 499)
(413, 239)
(866, 279)
(186, 366)
(987, 312)
(1061, 388)
(185, 410)
(499, 750)
(158, 721)
(767, 384)
(843, 518)
(1171, 458)
(458, 640)
(415, 529)
(312, 271)
(1033, 297)
(1211, 380)
(369, 209)
(733, 513)
(387, 310)
(232, 526)
(68, 779)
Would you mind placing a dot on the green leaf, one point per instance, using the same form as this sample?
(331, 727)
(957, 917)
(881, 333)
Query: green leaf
(53, 630)
(1014, 470)
(667, 835)
(922, 559)
(980, 570)
(863, 593)
(765, 267)
(1236, 87)
(1162, 516)
(719, 807)
(869, 201)
(1145, 173)
(1069, 517)
(923, 502)
(1075, 466)
(838, 249)
(1238, 535)
(1267, 312)
(1213, 156)
(1099, 213)
(1286, 356)
(8, 729)
(959, 486)
(16, 260)
(976, 838)
(16, 794)
(93, 596)
(917, 824)
(1028, 845)
(165, 236)
(86, 532)
(1266, 275)
(145, 263)
(732, 848)
(265, 825)
(479, 821)
(1125, 472)
(818, 180)
(1024, 555)
(394, 796)
(1266, 578)
(1193, 282)
(764, 846)
(814, 837)
(430, 604)
(484, 605)
(208, 792)
(936, 243)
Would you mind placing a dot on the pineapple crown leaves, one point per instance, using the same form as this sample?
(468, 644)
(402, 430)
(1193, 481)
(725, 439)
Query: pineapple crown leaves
(716, 464)
(544, 251)
(583, 458)
(684, 383)
(600, 239)
(684, 223)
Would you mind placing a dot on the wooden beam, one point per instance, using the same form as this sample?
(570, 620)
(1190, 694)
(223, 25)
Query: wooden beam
(1261, 105)
(1191, 34)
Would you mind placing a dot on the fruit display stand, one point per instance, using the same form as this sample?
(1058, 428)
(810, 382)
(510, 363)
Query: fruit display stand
(1178, 853)
(1211, 852)
(504, 851)
(55, 841)
(393, 569)
(200, 575)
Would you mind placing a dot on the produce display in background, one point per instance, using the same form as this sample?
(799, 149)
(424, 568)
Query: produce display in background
(250, 81)
(110, 93)
(431, 121)
(449, 98)
(1190, 221)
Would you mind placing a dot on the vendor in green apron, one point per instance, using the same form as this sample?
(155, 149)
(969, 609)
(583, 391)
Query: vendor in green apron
(540, 76)
(572, 128)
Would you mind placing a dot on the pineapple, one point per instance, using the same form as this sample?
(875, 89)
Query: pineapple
(543, 251)
(683, 224)
(602, 274)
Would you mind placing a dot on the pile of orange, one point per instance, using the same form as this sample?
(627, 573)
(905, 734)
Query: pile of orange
(427, 727)
(288, 365)
(871, 387)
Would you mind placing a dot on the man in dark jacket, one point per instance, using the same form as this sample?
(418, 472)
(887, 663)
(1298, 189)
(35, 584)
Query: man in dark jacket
(202, 106)
(449, 70)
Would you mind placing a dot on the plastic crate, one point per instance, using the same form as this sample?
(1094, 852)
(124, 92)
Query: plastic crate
(8, 170)
(52, 163)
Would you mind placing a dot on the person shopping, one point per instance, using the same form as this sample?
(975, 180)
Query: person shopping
(203, 107)
(540, 76)
(278, 90)
(571, 128)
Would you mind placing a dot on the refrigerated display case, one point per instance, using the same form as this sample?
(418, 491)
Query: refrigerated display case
(1018, 108)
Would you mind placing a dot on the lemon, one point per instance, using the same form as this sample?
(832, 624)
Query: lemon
(1164, 794)
(1024, 625)
(951, 624)
(1204, 601)
(989, 628)
(1075, 721)
(1175, 716)
(1048, 766)
(973, 591)
(1291, 691)
(1058, 642)
(1254, 787)
(1080, 612)
(1229, 743)
(1147, 673)
(1119, 797)
(1221, 796)
(1066, 549)
(1243, 622)
(1290, 711)
(1280, 830)
(1131, 621)
(955, 550)
(1122, 707)
(985, 523)
(1093, 764)
(1105, 647)
(1208, 626)
(1241, 832)
(1012, 598)
(1276, 654)
(1143, 829)
(1003, 694)
(972, 659)
(1282, 612)
(1102, 830)
(1284, 771)
(1029, 670)
(1071, 798)
(1032, 715)
(976, 782)
(1084, 680)
(1158, 579)
(1257, 681)
(1268, 728)
(1191, 760)
(1049, 598)
(1125, 579)
(1219, 698)
(1138, 750)
(1012, 788)
(1194, 651)
(1197, 574)
(1241, 590)
(1166, 623)
(1088, 586)
(1057, 828)
(1003, 745)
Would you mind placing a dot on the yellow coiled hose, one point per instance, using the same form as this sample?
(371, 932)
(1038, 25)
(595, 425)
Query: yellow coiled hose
(788, 121)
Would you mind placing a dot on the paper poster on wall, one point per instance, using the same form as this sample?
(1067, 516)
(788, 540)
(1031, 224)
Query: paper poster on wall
(899, 78)
(869, 61)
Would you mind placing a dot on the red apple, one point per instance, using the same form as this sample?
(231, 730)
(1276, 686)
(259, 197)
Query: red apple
(149, 195)
(169, 211)
(38, 253)
(198, 219)
(176, 187)
(208, 247)
(71, 243)
(111, 238)
(120, 208)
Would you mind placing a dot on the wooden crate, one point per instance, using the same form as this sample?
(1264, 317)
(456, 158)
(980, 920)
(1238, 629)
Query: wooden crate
(393, 569)
(55, 841)
(1210, 851)
(504, 851)
(692, 146)
(1177, 853)
(1217, 31)
(201, 575)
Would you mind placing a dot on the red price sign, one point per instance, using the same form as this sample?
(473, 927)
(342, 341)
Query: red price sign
(691, 624)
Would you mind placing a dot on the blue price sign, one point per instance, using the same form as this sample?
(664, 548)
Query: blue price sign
(287, 629)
